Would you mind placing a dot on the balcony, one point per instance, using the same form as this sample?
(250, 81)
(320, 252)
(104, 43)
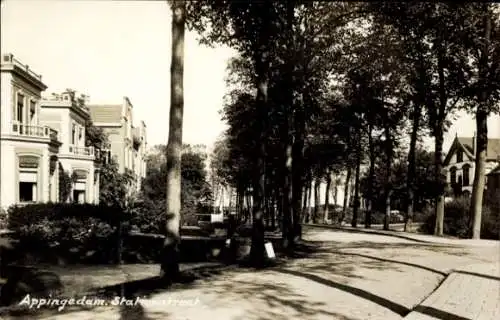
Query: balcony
(81, 151)
(24, 130)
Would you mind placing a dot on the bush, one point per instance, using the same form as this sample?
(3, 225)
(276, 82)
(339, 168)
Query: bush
(3, 219)
(457, 217)
(147, 216)
(66, 233)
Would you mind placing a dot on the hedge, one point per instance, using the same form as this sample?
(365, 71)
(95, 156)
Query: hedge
(66, 233)
(457, 217)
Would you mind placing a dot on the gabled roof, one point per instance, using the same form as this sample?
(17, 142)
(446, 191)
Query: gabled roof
(467, 143)
(459, 144)
(106, 113)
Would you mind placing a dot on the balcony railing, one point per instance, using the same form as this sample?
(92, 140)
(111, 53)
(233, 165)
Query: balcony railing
(25, 130)
(9, 58)
(82, 151)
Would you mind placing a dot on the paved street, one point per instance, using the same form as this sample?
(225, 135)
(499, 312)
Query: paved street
(351, 276)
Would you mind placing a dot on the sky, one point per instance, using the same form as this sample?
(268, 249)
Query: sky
(110, 49)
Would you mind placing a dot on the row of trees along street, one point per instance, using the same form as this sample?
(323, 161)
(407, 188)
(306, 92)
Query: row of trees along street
(328, 87)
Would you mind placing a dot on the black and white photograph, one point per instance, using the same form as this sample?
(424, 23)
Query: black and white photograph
(249, 160)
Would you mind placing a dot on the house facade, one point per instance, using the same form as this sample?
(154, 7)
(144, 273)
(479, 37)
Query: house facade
(68, 115)
(459, 164)
(29, 148)
(40, 138)
(128, 143)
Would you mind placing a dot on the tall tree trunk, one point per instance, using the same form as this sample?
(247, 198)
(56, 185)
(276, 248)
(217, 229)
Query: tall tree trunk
(327, 196)
(221, 204)
(438, 160)
(482, 134)
(346, 194)
(273, 214)
(371, 177)
(335, 190)
(279, 204)
(307, 215)
(304, 197)
(257, 251)
(249, 212)
(438, 152)
(388, 182)
(304, 206)
(410, 188)
(241, 201)
(299, 126)
(170, 255)
(317, 183)
(298, 171)
(287, 232)
(356, 203)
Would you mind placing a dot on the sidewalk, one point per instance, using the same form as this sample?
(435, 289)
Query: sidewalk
(413, 236)
(452, 299)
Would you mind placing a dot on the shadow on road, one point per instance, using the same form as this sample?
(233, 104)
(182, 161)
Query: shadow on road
(324, 262)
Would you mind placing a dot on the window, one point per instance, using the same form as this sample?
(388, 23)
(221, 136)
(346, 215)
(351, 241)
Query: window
(27, 191)
(79, 189)
(20, 108)
(466, 170)
(460, 156)
(453, 175)
(80, 134)
(73, 134)
(78, 196)
(32, 111)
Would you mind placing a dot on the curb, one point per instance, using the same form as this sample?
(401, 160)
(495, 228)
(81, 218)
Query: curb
(396, 234)
(425, 309)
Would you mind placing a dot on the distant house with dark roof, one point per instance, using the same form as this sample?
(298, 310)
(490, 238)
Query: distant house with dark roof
(459, 163)
(128, 143)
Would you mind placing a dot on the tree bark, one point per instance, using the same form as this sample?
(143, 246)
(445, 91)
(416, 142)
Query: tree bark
(170, 255)
(388, 182)
(317, 182)
(287, 232)
(327, 196)
(438, 152)
(482, 135)
(371, 177)
(410, 188)
(335, 191)
(346, 194)
(438, 160)
(307, 216)
(356, 203)
(388, 188)
(257, 251)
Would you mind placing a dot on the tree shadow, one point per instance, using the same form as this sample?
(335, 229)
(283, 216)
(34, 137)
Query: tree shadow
(313, 260)
(394, 307)
(278, 298)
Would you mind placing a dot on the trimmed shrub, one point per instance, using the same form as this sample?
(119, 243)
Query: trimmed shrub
(457, 219)
(66, 233)
(3, 219)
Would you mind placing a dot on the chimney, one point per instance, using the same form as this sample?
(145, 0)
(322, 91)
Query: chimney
(474, 144)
